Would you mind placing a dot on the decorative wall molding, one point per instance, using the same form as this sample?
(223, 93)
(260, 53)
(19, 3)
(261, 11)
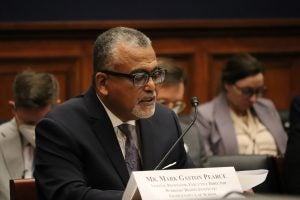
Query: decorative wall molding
(200, 46)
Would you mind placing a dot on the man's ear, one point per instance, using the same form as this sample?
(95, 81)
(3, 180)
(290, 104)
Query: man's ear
(101, 83)
(226, 86)
(12, 105)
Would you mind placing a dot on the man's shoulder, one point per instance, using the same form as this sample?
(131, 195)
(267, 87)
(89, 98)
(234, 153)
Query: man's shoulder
(161, 115)
(9, 125)
(80, 104)
(8, 130)
(68, 105)
(162, 111)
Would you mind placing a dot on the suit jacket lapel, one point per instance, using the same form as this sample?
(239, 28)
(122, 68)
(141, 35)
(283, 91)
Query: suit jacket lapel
(11, 147)
(267, 117)
(106, 135)
(104, 131)
(225, 125)
(264, 115)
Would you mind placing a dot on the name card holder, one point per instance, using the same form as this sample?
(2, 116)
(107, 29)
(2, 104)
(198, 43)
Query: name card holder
(188, 184)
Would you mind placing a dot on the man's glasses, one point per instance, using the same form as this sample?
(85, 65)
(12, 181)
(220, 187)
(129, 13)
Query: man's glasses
(177, 106)
(249, 92)
(141, 77)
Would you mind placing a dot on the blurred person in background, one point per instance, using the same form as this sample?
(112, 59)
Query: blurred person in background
(171, 94)
(34, 94)
(239, 120)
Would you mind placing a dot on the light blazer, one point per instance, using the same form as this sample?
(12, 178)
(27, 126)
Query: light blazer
(78, 155)
(11, 156)
(218, 131)
(193, 141)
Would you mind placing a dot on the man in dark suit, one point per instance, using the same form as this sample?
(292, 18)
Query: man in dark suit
(292, 155)
(81, 152)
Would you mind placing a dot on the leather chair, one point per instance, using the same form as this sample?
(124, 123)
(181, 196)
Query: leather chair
(272, 184)
(22, 189)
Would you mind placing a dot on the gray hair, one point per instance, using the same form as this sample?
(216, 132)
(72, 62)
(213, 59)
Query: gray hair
(106, 44)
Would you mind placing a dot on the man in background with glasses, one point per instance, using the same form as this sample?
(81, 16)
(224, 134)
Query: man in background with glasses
(171, 94)
(88, 146)
(239, 120)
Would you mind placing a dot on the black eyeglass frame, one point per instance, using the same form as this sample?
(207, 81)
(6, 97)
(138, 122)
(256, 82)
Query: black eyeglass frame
(133, 75)
(249, 92)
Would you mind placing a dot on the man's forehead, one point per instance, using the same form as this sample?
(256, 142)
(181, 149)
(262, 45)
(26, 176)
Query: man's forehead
(141, 60)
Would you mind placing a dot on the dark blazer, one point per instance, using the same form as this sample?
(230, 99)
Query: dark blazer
(78, 155)
(292, 156)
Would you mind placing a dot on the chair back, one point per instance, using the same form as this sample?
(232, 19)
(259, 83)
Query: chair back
(22, 189)
(272, 184)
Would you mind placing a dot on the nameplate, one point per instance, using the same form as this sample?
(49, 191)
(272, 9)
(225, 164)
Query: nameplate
(196, 183)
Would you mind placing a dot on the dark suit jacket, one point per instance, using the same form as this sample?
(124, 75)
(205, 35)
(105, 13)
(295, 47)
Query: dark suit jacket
(78, 155)
(292, 156)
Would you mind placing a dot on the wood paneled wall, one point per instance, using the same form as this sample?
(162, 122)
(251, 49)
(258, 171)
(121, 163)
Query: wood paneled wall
(200, 46)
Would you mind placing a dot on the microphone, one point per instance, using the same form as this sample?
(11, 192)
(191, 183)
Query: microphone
(195, 103)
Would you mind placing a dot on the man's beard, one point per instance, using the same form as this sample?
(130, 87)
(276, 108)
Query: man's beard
(143, 113)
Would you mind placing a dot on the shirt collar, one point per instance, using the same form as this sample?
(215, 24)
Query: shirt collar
(113, 118)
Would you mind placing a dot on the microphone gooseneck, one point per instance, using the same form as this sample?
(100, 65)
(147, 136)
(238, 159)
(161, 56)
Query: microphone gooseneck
(195, 103)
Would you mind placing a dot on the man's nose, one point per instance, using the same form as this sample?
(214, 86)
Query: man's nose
(150, 85)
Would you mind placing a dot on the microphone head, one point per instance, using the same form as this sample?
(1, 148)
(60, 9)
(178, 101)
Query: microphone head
(194, 101)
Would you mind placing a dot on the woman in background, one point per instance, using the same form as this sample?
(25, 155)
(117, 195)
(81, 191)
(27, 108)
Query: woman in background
(238, 120)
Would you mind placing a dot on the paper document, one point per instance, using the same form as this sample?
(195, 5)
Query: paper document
(178, 184)
(191, 184)
(252, 178)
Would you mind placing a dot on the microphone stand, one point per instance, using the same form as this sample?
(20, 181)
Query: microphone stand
(194, 102)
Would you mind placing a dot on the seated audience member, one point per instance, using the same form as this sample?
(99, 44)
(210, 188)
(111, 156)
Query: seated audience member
(239, 120)
(171, 93)
(292, 156)
(88, 146)
(34, 94)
